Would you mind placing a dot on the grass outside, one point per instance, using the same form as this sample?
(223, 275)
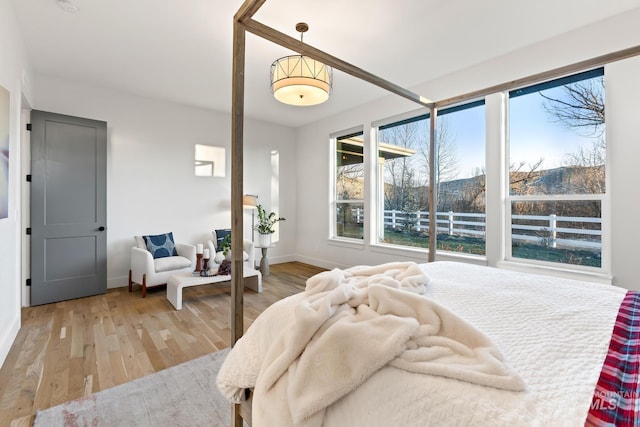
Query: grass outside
(559, 255)
(476, 246)
(462, 244)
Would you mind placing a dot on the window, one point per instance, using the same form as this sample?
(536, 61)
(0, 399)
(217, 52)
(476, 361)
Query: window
(403, 186)
(349, 186)
(461, 178)
(403, 182)
(551, 187)
(557, 170)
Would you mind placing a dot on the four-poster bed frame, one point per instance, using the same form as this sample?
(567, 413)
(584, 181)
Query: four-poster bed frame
(243, 22)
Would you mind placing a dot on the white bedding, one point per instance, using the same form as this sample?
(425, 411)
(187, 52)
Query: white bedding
(553, 332)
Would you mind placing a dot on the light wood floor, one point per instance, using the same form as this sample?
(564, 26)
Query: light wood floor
(74, 348)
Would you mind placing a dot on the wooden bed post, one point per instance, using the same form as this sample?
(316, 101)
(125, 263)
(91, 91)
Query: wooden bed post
(242, 22)
(237, 123)
(248, 8)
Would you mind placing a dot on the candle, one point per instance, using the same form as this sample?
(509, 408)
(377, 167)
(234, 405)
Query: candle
(199, 248)
(206, 254)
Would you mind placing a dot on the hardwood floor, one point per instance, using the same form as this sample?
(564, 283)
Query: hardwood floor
(74, 348)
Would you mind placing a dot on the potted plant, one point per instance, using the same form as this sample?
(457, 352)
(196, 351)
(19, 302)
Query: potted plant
(225, 246)
(265, 225)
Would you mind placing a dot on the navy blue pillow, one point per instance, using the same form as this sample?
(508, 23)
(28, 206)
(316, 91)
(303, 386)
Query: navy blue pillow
(161, 245)
(220, 235)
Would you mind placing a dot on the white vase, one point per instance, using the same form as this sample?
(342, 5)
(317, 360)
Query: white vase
(264, 239)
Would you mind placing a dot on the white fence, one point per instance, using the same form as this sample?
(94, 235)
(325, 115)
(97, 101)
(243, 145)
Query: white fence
(543, 229)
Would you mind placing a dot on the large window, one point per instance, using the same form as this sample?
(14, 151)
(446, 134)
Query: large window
(403, 182)
(461, 179)
(551, 190)
(349, 186)
(557, 170)
(403, 186)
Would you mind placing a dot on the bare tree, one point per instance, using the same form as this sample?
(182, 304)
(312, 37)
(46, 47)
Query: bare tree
(350, 182)
(446, 159)
(590, 162)
(397, 170)
(410, 205)
(407, 178)
(521, 181)
(581, 108)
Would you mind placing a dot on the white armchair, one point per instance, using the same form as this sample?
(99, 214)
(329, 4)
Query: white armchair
(150, 272)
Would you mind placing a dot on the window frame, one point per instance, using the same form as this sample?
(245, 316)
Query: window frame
(377, 229)
(378, 198)
(498, 231)
(602, 198)
(333, 198)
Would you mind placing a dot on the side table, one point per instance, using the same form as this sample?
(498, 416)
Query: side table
(264, 261)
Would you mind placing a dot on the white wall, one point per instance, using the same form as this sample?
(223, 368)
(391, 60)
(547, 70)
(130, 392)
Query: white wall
(623, 132)
(614, 34)
(151, 186)
(13, 65)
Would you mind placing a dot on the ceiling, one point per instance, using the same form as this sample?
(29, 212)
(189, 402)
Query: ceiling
(181, 51)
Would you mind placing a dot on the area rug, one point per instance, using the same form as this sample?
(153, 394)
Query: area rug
(183, 395)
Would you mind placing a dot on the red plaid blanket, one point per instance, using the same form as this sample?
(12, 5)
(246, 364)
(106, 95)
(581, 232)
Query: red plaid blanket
(616, 400)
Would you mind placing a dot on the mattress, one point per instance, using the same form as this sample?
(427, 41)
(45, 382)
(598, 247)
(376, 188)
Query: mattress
(554, 332)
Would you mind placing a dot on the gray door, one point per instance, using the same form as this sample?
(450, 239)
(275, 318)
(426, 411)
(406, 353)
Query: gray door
(68, 207)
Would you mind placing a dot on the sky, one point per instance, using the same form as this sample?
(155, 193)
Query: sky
(467, 129)
(532, 135)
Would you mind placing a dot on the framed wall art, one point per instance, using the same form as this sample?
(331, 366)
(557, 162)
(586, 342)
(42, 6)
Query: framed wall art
(4, 153)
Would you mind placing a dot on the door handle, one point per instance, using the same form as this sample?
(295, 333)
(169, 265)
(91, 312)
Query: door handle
(101, 228)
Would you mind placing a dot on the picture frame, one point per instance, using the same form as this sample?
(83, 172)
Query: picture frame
(4, 152)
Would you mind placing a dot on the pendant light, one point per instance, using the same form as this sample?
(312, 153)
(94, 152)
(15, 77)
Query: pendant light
(300, 80)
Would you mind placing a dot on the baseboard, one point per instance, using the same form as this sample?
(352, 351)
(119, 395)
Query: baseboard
(319, 262)
(8, 337)
(278, 259)
(118, 282)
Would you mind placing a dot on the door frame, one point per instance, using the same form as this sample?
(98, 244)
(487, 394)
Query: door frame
(25, 203)
(27, 188)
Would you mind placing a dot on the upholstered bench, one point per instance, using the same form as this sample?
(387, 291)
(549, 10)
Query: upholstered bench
(175, 284)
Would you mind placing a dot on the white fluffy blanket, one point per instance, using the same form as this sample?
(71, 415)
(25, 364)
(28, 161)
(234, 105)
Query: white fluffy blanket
(346, 326)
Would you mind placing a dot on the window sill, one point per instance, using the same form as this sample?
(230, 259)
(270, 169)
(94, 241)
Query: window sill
(422, 254)
(419, 253)
(586, 276)
(461, 257)
(346, 243)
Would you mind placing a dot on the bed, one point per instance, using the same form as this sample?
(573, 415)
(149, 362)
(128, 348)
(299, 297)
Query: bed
(564, 352)
(551, 334)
